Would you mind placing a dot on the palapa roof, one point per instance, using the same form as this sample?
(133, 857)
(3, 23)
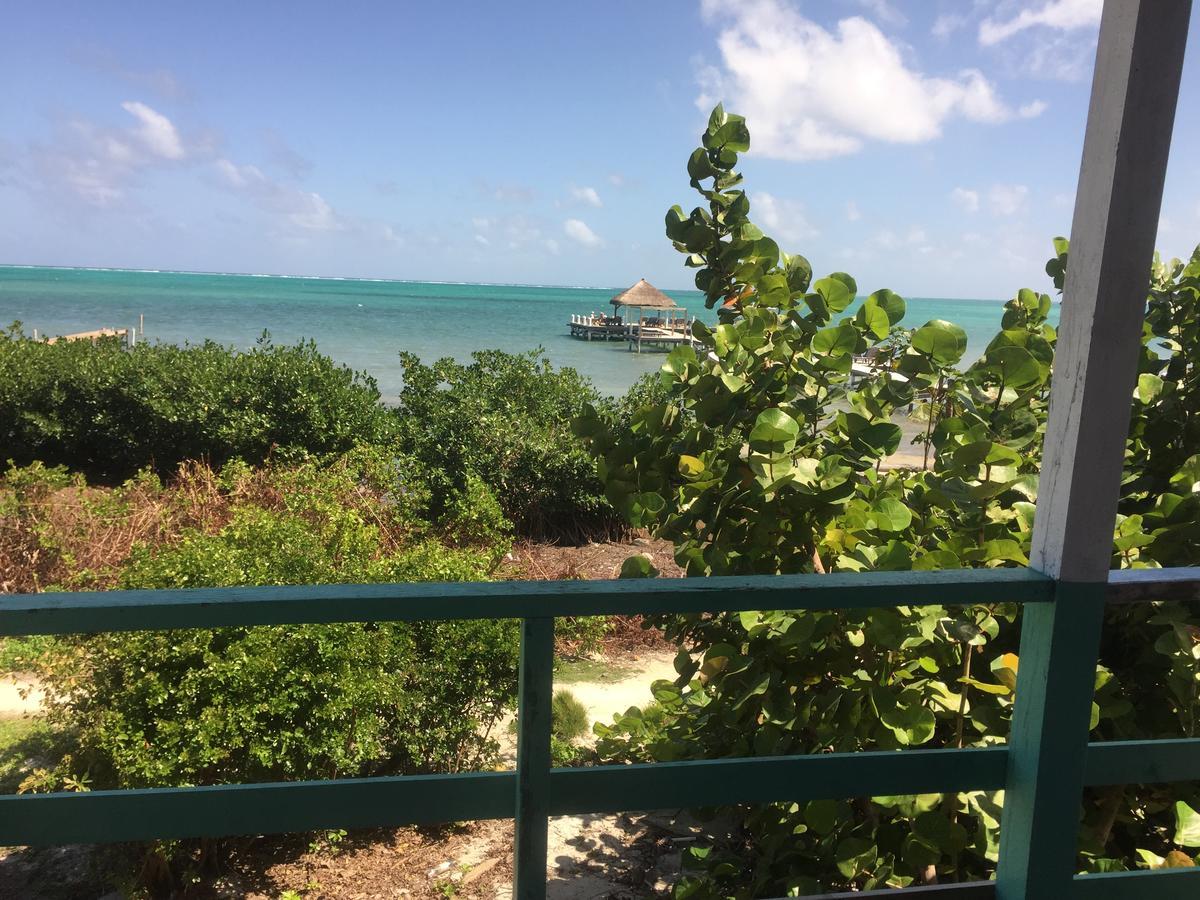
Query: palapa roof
(646, 295)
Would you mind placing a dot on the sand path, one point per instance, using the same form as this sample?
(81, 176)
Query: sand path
(12, 703)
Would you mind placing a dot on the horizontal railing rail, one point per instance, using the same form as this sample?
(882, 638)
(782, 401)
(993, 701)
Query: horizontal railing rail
(149, 610)
(534, 791)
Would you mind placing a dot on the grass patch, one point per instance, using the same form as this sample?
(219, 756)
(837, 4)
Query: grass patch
(571, 671)
(21, 741)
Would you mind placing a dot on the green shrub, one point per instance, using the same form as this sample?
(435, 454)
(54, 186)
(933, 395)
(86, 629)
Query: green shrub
(474, 516)
(505, 420)
(580, 636)
(568, 716)
(650, 389)
(19, 654)
(271, 703)
(108, 412)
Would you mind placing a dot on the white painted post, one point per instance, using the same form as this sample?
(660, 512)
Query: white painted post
(1134, 93)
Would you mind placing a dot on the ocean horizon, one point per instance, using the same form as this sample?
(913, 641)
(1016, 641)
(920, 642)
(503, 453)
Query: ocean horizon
(366, 322)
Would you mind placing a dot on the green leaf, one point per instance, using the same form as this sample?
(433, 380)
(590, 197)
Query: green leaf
(1015, 366)
(855, 855)
(835, 292)
(882, 437)
(690, 466)
(798, 272)
(892, 515)
(873, 319)
(1149, 387)
(699, 167)
(936, 828)
(824, 816)
(912, 724)
(1004, 668)
(943, 341)
(733, 383)
(891, 303)
(679, 361)
(750, 619)
(774, 427)
(836, 341)
(733, 135)
(677, 224)
(985, 686)
(1187, 826)
(638, 567)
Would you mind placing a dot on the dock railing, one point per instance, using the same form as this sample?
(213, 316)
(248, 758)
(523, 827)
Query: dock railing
(535, 790)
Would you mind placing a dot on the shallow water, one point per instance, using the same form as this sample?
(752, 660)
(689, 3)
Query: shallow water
(366, 323)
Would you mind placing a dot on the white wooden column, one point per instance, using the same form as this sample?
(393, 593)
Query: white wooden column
(1132, 111)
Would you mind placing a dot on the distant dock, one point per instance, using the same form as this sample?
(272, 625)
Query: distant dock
(597, 328)
(128, 336)
(661, 322)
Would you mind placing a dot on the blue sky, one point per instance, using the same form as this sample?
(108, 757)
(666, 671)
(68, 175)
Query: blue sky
(930, 146)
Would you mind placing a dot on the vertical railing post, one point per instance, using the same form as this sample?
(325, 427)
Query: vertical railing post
(534, 695)
(1130, 117)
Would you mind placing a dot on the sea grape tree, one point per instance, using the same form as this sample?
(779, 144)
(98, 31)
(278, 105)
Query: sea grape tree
(763, 457)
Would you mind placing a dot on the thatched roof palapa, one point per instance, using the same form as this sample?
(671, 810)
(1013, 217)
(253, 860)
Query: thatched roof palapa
(645, 295)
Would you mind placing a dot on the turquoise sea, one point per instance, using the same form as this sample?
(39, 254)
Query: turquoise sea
(364, 323)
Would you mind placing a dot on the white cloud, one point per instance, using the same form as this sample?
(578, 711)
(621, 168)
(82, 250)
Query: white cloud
(1002, 199)
(946, 24)
(578, 231)
(967, 199)
(783, 219)
(315, 214)
(1007, 199)
(852, 211)
(1063, 15)
(586, 195)
(300, 209)
(616, 179)
(885, 12)
(509, 193)
(1033, 109)
(99, 164)
(515, 232)
(239, 176)
(156, 132)
(810, 93)
(889, 240)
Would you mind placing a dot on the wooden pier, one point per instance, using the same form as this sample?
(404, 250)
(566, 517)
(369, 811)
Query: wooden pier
(660, 321)
(128, 336)
(597, 328)
(660, 337)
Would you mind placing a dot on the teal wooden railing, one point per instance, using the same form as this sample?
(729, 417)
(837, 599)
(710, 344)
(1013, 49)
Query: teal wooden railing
(535, 791)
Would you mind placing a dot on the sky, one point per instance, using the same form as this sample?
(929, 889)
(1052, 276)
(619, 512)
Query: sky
(929, 146)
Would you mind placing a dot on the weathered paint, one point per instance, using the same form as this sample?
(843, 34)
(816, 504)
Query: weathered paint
(1142, 762)
(1159, 884)
(145, 610)
(1131, 114)
(533, 788)
(764, 779)
(1142, 585)
(97, 817)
